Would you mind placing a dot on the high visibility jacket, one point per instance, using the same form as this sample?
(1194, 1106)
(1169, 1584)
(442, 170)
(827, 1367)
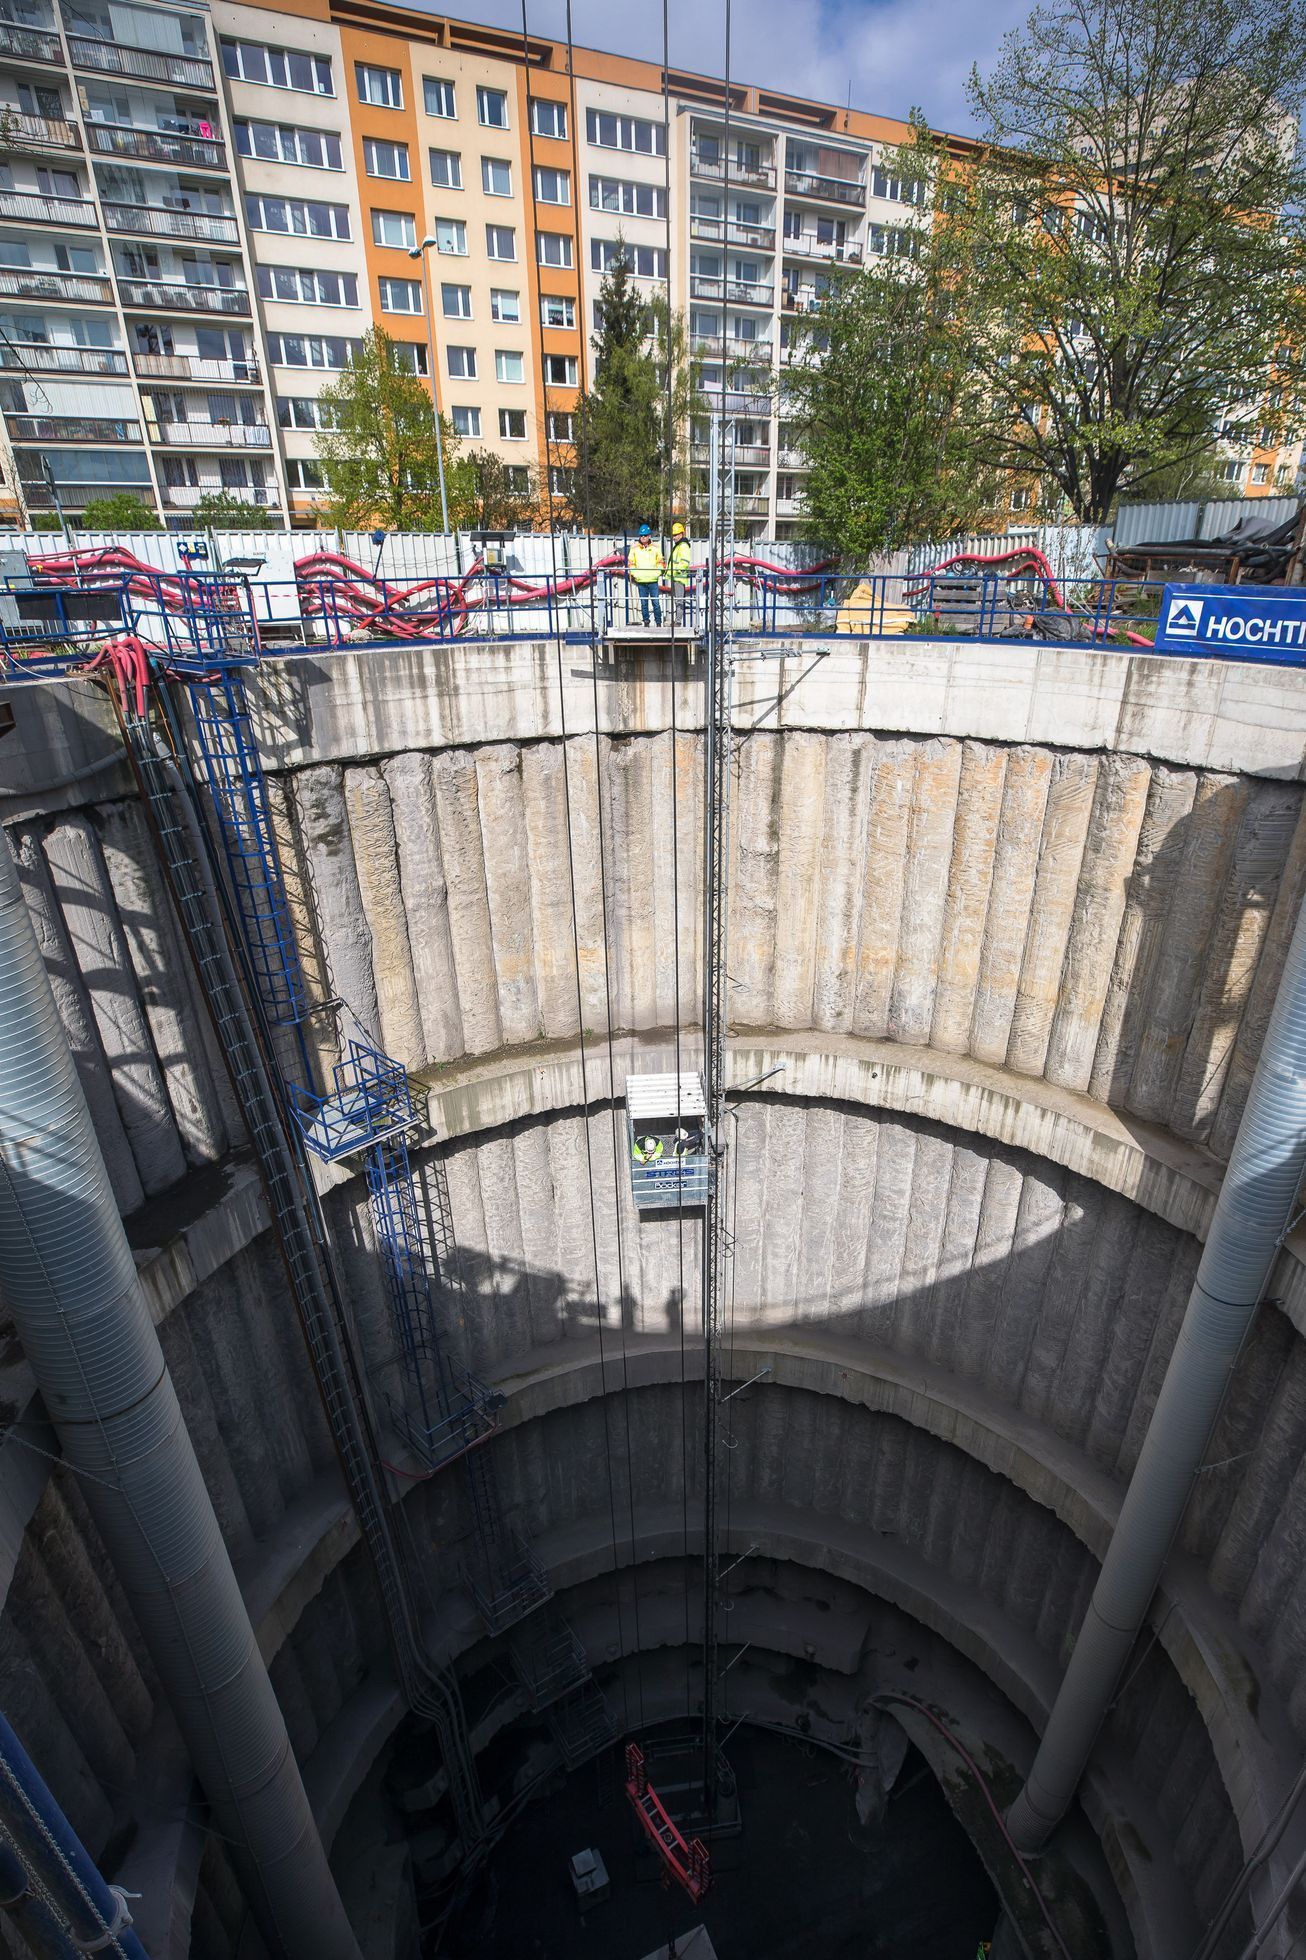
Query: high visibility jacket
(645, 562)
(648, 1149)
(680, 557)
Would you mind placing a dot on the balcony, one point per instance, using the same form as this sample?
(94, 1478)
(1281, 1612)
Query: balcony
(715, 231)
(74, 496)
(33, 208)
(760, 176)
(31, 357)
(38, 44)
(194, 367)
(825, 190)
(34, 282)
(748, 455)
(154, 296)
(833, 252)
(72, 428)
(157, 146)
(757, 353)
(22, 132)
(213, 435)
(789, 507)
(731, 290)
(804, 302)
(160, 221)
(752, 506)
(113, 58)
(185, 496)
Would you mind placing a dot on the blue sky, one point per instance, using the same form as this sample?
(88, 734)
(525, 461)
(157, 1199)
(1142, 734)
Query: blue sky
(893, 52)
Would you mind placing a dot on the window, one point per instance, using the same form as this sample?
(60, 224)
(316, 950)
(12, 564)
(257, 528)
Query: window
(1231, 472)
(317, 149)
(302, 412)
(556, 311)
(1260, 473)
(247, 61)
(898, 190)
(505, 306)
(496, 177)
(512, 424)
(548, 118)
(304, 474)
(456, 302)
(561, 428)
(553, 247)
(509, 367)
(500, 242)
(645, 261)
(438, 97)
(562, 480)
(400, 295)
(397, 228)
(382, 159)
(446, 169)
(307, 288)
(408, 357)
(451, 236)
(891, 242)
(552, 186)
(298, 216)
(382, 87)
(610, 132)
(492, 108)
(311, 350)
(638, 200)
(561, 370)
(466, 421)
(1021, 500)
(462, 363)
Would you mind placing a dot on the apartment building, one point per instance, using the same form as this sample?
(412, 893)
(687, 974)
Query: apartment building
(203, 208)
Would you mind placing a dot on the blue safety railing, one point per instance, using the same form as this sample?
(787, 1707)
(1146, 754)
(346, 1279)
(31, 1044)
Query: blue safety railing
(369, 1101)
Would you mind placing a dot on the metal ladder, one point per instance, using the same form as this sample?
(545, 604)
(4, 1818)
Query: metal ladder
(301, 1234)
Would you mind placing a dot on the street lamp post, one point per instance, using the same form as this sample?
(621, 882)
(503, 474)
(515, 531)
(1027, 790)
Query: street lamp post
(420, 252)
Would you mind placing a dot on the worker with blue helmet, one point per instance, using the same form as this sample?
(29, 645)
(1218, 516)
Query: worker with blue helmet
(645, 563)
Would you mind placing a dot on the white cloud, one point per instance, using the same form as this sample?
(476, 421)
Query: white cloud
(891, 53)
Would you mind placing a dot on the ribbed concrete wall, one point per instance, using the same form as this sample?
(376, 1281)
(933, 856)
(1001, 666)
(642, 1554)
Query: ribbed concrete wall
(1113, 926)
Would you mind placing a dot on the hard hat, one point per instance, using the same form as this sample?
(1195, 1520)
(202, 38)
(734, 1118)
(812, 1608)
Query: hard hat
(677, 530)
(644, 531)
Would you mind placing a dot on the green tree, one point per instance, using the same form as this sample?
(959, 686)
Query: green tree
(881, 395)
(378, 453)
(632, 426)
(487, 494)
(120, 511)
(222, 511)
(1135, 222)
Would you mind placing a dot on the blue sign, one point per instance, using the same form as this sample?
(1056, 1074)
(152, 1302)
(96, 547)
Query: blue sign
(1237, 622)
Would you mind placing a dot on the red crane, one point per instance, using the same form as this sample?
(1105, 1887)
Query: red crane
(688, 1863)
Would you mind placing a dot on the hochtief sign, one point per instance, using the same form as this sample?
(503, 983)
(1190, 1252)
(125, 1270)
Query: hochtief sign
(1242, 622)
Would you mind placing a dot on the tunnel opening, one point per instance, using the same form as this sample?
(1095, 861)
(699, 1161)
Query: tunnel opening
(806, 1874)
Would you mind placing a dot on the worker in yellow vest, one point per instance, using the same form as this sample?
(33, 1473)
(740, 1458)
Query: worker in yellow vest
(646, 565)
(680, 556)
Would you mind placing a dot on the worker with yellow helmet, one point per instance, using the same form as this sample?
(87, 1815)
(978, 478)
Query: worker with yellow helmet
(645, 564)
(680, 572)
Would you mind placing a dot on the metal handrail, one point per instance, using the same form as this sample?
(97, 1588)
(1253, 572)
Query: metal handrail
(35, 208)
(158, 145)
(157, 221)
(35, 282)
(147, 64)
(175, 297)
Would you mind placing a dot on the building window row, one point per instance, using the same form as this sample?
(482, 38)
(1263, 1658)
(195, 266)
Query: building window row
(311, 350)
(303, 473)
(645, 261)
(556, 310)
(612, 132)
(632, 200)
(298, 216)
(316, 149)
(250, 61)
(307, 287)
(400, 295)
(552, 186)
(439, 99)
(548, 118)
(303, 412)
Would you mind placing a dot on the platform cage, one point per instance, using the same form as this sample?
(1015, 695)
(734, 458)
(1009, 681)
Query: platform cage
(666, 1127)
(547, 1659)
(472, 1419)
(369, 1100)
(582, 1725)
(203, 620)
(49, 628)
(506, 1580)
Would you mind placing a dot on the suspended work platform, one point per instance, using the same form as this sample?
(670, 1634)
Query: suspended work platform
(369, 1100)
(687, 1862)
(666, 1127)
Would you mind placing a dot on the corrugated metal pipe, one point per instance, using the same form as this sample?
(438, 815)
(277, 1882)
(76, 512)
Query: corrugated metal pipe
(1251, 1216)
(91, 1916)
(82, 1318)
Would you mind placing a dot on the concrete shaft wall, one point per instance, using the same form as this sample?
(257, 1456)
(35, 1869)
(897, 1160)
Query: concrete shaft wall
(1018, 988)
